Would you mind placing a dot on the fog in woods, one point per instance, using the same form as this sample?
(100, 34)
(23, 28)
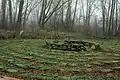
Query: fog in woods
(98, 18)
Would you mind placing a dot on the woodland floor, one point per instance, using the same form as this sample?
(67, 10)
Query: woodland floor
(28, 60)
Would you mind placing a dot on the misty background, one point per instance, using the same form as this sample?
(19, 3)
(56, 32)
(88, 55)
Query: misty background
(98, 18)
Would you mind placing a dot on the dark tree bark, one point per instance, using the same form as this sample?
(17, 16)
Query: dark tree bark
(68, 16)
(111, 21)
(3, 14)
(62, 14)
(116, 21)
(25, 14)
(46, 13)
(103, 16)
(73, 21)
(43, 15)
(19, 20)
(107, 21)
(10, 13)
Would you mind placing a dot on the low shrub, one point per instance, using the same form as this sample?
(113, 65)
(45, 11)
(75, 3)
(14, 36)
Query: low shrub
(7, 34)
(42, 34)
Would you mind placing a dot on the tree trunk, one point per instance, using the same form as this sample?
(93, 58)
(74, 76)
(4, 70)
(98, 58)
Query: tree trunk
(25, 15)
(103, 15)
(3, 14)
(116, 21)
(43, 15)
(111, 21)
(107, 21)
(10, 13)
(68, 16)
(19, 21)
(73, 21)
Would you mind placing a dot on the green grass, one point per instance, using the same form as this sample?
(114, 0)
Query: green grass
(27, 59)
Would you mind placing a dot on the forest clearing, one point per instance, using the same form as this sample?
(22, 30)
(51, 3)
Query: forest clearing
(27, 59)
(59, 39)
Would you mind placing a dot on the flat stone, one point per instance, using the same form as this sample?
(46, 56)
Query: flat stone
(110, 75)
(8, 78)
(117, 68)
(106, 70)
(89, 69)
(1, 67)
(97, 63)
(12, 70)
(88, 65)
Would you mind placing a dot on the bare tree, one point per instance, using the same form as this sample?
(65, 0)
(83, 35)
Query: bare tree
(74, 15)
(62, 9)
(89, 12)
(19, 21)
(10, 13)
(111, 20)
(116, 21)
(107, 17)
(68, 16)
(103, 15)
(3, 13)
(47, 11)
(43, 15)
